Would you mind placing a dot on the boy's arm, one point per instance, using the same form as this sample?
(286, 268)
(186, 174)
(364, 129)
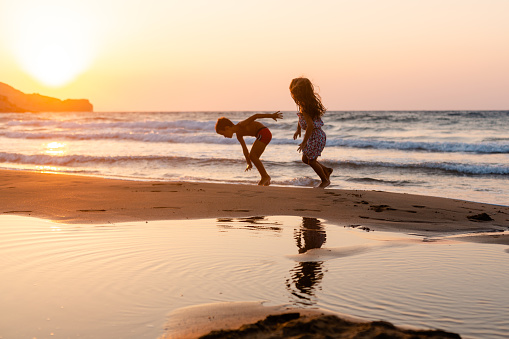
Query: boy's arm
(240, 138)
(275, 116)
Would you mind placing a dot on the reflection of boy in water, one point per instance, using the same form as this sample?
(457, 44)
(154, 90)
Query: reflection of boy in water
(305, 275)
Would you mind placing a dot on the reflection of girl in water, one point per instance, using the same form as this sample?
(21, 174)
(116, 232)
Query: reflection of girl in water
(306, 275)
(312, 233)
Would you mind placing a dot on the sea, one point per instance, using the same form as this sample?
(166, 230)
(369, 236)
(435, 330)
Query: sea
(453, 154)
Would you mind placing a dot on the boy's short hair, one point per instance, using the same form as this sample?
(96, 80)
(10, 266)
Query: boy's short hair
(222, 123)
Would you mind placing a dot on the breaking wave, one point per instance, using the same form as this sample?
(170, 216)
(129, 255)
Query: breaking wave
(159, 161)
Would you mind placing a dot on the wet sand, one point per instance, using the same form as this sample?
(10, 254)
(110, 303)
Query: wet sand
(89, 200)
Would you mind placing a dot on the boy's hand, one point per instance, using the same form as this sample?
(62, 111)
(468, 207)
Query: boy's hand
(277, 115)
(249, 166)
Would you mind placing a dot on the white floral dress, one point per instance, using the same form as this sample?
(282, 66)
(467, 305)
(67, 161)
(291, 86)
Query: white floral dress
(316, 141)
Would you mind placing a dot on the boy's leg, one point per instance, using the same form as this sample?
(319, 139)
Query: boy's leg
(255, 154)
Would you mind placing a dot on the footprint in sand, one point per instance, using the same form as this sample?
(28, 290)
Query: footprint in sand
(171, 207)
(381, 208)
(17, 212)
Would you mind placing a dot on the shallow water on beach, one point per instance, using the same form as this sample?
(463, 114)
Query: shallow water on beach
(121, 280)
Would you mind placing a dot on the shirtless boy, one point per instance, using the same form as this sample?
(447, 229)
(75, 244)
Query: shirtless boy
(250, 127)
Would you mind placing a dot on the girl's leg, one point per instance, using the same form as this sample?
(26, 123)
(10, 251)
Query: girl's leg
(326, 170)
(255, 154)
(322, 171)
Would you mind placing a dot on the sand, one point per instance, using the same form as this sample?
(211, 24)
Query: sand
(252, 320)
(89, 200)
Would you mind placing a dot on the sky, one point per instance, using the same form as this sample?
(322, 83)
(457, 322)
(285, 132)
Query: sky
(231, 55)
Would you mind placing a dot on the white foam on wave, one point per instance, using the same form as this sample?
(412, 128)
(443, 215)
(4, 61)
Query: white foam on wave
(463, 168)
(76, 160)
(302, 181)
(488, 147)
(203, 132)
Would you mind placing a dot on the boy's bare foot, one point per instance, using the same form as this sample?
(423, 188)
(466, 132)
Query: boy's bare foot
(264, 181)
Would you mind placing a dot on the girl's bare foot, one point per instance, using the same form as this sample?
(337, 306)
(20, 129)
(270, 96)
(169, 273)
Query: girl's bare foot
(324, 184)
(328, 172)
(264, 181)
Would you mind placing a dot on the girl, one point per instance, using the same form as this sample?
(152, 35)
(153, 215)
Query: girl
(310, 113)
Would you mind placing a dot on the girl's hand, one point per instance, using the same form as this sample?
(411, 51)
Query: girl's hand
(301, 146)
(277, 115)
(249, 166)
(296, 134)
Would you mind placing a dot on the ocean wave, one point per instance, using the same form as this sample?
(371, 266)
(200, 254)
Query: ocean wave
(162, 161)
(186, 125)
(88, 160)
(415, 116)
(168, 137)
(445, 147)
(454, 168)
(150, 137)
(190, 137)
(374, 181)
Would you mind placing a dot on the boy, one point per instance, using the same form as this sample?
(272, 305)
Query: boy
(253, 128)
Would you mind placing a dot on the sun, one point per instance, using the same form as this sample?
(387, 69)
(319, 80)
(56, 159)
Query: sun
(52, 41)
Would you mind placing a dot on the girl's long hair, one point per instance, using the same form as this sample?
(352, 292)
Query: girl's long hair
(309, 102)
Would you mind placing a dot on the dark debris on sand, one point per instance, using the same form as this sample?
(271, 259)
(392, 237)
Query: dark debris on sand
(293, 326)
(480, 217)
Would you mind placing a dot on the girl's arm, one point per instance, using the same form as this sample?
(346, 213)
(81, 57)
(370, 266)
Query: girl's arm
(245, 151)
(309, 131)
(275, 116)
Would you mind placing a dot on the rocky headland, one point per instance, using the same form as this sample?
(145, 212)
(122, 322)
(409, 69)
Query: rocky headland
(13, 100)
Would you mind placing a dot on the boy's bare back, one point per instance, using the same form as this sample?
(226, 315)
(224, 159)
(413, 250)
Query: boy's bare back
(247, 128)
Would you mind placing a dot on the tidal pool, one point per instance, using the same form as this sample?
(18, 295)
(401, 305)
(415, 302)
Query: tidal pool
(122, 280)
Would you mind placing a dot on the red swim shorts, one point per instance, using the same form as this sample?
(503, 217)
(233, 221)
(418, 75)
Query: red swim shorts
(264, 135)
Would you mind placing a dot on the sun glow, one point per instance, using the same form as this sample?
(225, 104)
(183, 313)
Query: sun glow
(55, 148)
(52, 41)
(47, 169)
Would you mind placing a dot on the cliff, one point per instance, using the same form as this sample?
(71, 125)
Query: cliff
(12, 100)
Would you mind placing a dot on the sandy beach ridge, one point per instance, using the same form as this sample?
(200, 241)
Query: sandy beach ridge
(92, 200)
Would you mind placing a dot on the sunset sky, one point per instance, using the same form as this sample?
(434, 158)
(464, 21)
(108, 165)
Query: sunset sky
(155, 55)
